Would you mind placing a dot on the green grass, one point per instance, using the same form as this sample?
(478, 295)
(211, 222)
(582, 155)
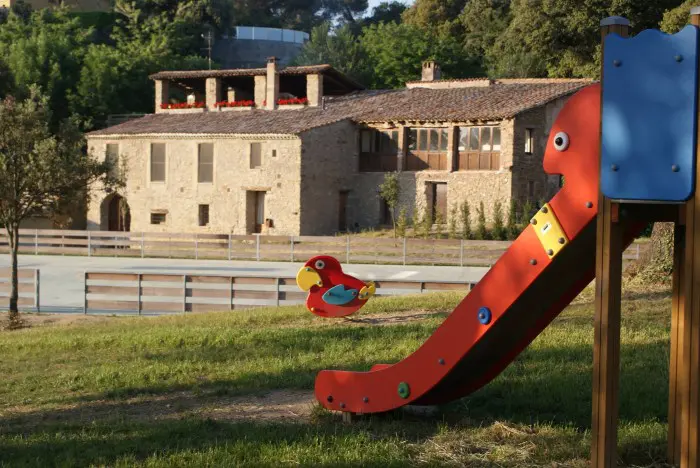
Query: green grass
(149, 391)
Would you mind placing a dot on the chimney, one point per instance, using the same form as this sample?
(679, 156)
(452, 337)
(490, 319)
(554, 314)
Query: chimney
(213, 92)
(431, 71)
(314, 89)
(273, 83)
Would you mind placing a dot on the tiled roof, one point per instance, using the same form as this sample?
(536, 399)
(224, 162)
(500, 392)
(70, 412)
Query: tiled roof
(187, 74)
(493, 102)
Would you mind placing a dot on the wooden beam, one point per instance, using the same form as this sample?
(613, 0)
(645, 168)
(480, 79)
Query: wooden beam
(675, 384)
(606, 350)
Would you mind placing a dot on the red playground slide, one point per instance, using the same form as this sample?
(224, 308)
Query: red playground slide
(538, 276)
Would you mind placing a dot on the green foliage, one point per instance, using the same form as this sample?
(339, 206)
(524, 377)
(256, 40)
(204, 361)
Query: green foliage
(426, 223)
(395, 53)
(402, 223)
(512, 229)
(677, 18)
(342, 50)
(439, 222)
(656, 264)
(385, 12)
(390, 191)
(527, 212)
(482, 232)
(466, 221)
(452, 225)
(498, 229)
(39, 171)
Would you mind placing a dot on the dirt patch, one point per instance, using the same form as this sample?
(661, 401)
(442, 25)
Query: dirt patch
(44, 320)
(393, 318)
(279, 405)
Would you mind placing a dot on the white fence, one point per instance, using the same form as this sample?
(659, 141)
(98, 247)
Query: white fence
(348, 249)
(28, 285)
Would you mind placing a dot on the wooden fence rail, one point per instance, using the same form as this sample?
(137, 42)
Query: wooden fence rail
(154, 293)
(29, 281)
(347, 249)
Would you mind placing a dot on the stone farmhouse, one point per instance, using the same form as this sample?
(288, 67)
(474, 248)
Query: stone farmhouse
(303, 150)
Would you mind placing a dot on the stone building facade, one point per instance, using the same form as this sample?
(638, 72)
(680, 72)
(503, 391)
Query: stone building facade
(303, 150)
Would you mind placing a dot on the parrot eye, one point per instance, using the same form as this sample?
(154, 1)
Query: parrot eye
(561, 141)
(320, 264)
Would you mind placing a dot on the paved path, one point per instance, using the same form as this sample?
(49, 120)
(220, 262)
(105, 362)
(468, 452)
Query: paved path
(62, 277)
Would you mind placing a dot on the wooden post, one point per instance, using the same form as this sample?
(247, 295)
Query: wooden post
(606, 348)
(675, 383)
(689, 329)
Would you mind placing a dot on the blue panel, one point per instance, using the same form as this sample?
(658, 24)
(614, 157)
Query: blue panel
(338, 295)
(650, 85)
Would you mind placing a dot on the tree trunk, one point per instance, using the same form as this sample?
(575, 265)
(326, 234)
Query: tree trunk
(656, 265)
(13, 234)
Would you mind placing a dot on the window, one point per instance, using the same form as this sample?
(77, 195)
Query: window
(205, 163)
(255, 155)
(158, 162)
(158, 217)
(379, 150)
(204, 215)
(427, 149)
(529, 140)
(274, 153)
(112, 157)
(479, 148)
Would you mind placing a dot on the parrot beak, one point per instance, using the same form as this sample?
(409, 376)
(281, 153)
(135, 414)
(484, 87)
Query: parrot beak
(368, 291)
(308, 278)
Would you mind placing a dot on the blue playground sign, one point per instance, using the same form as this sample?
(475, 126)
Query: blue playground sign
(649, 102)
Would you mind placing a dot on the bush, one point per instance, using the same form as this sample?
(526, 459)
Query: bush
(512, 229)
(426, 223)
(439, 222)
(402, 223)
(527, 213)
(482, 233)
(466, 220)
(499, 230)
(452, 229)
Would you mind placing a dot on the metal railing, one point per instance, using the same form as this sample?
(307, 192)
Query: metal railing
(348, 249)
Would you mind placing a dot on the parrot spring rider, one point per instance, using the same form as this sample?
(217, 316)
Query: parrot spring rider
(627, 148)
(332, 293)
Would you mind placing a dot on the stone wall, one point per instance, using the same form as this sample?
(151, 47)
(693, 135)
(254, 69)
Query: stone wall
(181, 193)
(528, 168)
(330, 161)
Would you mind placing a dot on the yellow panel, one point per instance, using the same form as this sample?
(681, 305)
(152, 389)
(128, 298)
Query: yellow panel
(549, 231)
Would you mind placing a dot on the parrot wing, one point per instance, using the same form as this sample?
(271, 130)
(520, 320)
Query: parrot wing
(338, 295)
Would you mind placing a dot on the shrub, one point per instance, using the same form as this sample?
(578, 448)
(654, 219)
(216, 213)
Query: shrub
(466, 220)
(426, 223)
(498, 230)
(512, 229)
(402, 223)
(482, 232)
(527, 213)
(452, 226)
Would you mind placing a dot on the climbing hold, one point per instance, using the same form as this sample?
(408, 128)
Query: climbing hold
(484, 315)
(533, 262)
(404, 390)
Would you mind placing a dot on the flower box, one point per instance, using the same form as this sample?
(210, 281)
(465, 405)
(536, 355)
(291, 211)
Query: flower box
(229, 104)
(183, 105)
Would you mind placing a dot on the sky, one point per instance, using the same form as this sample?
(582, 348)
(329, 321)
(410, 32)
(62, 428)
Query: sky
(374, 3)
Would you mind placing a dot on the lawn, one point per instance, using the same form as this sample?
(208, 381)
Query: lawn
(236, 389)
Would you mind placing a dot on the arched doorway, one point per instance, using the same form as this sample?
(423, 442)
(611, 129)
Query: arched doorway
(118, 213)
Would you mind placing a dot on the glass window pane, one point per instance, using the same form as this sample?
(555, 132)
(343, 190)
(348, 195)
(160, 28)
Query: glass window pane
(158, 162)
(423, 139)
(474, 139)
(434, 140)
(443, 139)
(486, 139)
(497, 139)
(255, 155)
(112, 157)
(412, 139)
(463, 138)
(529, 140)
(206, 163)
(366, 144)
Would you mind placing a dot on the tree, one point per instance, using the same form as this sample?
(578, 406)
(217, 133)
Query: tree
(428, 14)
(385, 12)
(512, 223)
(482, 232)
(499, 230)
(656, 265)
(402, 223)
(677, 18)
(452, 226)
(39, 171)
(339, 48)
(395, 52)
(390, 191)
(466, 220)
